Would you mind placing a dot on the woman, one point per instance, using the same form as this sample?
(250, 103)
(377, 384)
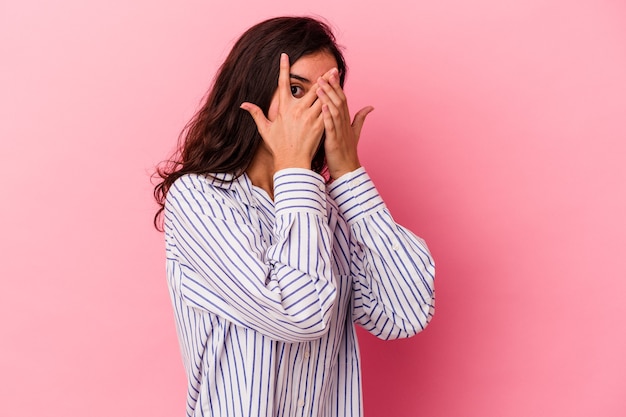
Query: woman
(277, 241)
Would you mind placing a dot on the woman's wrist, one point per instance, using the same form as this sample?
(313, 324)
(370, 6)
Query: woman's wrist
(336, 173)
(284, 164)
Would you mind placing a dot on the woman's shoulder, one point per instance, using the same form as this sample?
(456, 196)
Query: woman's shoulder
(206, 195)
(204, 183)
(207, 189)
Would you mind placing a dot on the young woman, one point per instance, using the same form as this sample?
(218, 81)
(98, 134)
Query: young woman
(277, 241)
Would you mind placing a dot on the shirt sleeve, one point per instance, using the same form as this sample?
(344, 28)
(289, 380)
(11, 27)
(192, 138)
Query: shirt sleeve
(285, 292)
(392, 269)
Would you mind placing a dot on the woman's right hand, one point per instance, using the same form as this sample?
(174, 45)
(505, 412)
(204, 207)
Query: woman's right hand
(294, 135)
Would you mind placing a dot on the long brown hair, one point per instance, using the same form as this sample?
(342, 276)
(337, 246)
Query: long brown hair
(222, 138)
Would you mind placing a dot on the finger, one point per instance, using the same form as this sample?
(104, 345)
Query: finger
(284, 85)
(262, 123)
(329, 73)
(316, 106)
(325, 98)
(309, 97)
(335, 95)
(318, 125)
(333, 80)
(333, 110)
(329, 123)
(359, 119)
(315, 117)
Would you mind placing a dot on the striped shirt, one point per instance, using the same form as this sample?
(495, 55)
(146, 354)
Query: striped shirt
(266, 293)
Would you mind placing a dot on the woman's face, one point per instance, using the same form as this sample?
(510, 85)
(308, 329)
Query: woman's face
(303, 74)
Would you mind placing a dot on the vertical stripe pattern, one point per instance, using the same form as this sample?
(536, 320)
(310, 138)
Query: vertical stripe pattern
(266, 293)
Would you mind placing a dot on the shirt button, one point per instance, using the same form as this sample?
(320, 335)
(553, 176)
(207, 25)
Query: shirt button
(300, 402)
(354, 183)
(307, 354)
(395, 246)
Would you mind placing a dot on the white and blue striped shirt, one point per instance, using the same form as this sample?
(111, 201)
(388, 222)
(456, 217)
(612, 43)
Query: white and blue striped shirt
(266, 293)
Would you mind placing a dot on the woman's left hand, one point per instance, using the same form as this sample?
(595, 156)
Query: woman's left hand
(342, 136)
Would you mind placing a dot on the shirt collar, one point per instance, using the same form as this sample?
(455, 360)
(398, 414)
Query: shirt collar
(241, 186)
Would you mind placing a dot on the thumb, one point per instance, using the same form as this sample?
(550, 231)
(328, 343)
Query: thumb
(257, 115)
(359, 119)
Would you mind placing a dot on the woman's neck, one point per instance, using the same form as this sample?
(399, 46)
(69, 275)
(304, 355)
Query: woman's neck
(261, 171)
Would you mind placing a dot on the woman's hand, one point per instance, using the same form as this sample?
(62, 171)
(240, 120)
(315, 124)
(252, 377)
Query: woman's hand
(294, 135)
(342, 136)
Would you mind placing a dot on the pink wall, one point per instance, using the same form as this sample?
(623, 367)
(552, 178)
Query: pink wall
(499, 136)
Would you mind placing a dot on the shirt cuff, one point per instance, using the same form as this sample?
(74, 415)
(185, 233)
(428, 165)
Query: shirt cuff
(355, 195)
(298, 190)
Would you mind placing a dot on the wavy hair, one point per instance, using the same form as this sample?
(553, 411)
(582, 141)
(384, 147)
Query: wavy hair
(221, 137)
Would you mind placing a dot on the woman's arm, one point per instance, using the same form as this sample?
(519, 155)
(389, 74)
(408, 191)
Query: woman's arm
(284, 292)
(392, 270)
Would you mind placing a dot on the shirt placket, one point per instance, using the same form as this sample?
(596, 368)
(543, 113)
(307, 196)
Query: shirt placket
(306, 392)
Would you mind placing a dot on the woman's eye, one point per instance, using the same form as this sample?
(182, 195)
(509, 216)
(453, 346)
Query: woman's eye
(297, 91)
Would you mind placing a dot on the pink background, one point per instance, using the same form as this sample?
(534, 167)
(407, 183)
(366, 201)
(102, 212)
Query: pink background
(499, 136)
